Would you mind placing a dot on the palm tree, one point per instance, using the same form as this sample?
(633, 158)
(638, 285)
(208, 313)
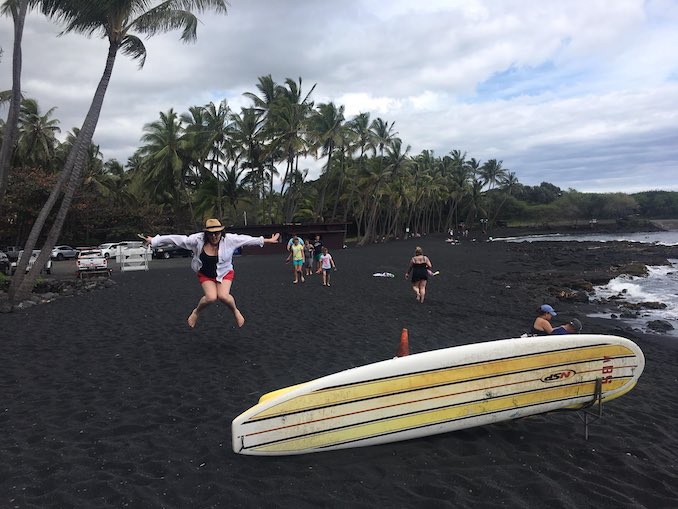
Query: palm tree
(291, 111)
(360, 127)
(326, 126)
(115, 20)
(491, 173)
(17, 9)
(165, 166)
(381, 136)
(248, 138)
(37, 140)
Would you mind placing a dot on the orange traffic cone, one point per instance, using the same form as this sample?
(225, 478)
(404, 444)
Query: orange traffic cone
(404, 348)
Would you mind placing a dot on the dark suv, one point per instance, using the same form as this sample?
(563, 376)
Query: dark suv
(170, 251)
(12, 252)
(4, 263)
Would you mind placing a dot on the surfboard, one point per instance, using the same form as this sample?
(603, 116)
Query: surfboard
(439, 391)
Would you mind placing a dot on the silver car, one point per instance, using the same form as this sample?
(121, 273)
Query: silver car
(63, 252)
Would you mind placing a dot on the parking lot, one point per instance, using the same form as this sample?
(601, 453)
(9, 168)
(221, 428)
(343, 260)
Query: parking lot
(67, 269)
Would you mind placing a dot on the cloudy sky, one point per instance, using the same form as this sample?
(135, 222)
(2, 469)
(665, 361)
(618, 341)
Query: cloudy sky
(582, 94)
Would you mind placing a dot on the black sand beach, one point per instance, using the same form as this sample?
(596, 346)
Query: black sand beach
(110, 400)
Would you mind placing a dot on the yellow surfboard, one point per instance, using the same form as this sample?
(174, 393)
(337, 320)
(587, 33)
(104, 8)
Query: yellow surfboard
(439, 391)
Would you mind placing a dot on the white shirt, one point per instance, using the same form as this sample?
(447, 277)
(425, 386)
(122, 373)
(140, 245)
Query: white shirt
(229, 242)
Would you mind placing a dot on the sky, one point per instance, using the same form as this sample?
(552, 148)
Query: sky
(581, 94)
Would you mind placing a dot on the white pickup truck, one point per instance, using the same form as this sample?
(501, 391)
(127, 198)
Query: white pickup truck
(92, 261)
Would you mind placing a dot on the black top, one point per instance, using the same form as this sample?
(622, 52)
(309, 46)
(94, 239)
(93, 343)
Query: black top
(419, 272)
(318, 247)
(209, 265)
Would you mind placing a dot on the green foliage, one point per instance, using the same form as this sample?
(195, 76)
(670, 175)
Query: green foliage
(657, 204)
(211, 161)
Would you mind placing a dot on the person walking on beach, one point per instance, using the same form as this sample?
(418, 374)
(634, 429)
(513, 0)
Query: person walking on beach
(419, 268)
(317, 252)
(297, 254)
(308, 257)
(213, 262)
(327, 265)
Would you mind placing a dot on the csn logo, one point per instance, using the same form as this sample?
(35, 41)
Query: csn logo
(559, 375)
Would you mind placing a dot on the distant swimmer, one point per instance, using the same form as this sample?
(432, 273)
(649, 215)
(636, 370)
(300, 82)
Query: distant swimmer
(213, 262)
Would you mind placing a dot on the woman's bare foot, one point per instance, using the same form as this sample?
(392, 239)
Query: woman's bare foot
(193, 318)
(239, 319)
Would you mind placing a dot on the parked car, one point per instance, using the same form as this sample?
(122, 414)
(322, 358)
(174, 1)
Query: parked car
(34, 255)
(91, 261)
(63, 252)
(12, 252)
(170, 250)
(4, 263)
(109, 249)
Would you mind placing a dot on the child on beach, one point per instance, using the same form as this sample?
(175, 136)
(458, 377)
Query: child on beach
(297, 255)
(308, 257)
(213, 262)
(327, 265)
(317, 252)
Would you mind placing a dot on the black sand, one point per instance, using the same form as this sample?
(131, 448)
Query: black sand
(109, 400)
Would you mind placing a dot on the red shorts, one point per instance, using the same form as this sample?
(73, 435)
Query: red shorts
(202, 277)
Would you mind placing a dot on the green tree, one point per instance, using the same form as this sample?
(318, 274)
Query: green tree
(17, 9)
(326, 126)
(37, 135)
(115, 20)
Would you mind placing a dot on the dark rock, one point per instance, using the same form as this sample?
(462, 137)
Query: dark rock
(660, 325)
(629, 314)
(643, 305)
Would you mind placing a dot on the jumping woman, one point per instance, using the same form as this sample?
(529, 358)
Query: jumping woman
(213, 262)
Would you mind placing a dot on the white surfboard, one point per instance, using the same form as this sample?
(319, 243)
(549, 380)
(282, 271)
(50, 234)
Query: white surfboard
(439, 391)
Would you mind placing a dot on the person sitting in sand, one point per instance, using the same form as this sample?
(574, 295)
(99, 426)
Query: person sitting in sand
(420, 265)
(542, 324)
(572, 327)
(213, 262)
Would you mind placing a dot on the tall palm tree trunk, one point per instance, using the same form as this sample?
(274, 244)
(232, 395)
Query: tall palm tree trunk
(11, 126)
(22, 283)
(324, 187)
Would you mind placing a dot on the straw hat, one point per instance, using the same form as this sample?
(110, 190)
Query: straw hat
(213, 226)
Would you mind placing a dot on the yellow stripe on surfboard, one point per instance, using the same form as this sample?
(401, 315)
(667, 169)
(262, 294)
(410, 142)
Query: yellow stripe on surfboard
(399, 383)
(437, 416)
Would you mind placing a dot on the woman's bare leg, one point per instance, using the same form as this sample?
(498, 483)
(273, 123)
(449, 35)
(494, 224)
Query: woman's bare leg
(415, 287)
(224, 293)
(210, 290)
(422, 290)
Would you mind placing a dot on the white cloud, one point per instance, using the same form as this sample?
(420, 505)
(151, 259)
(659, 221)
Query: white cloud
(554, 89)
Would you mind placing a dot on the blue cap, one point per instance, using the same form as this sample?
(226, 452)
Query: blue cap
(545, 308)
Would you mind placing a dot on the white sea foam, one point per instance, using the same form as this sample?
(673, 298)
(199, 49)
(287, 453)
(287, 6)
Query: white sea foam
(660, 285)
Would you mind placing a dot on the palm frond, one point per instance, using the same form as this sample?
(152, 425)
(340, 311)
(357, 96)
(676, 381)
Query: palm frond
(133, 46)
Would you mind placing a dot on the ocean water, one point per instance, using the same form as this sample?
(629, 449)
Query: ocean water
(669, 238)
(660, 285)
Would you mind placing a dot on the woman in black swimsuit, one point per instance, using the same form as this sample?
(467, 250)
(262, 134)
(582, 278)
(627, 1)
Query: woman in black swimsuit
(419, 267)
